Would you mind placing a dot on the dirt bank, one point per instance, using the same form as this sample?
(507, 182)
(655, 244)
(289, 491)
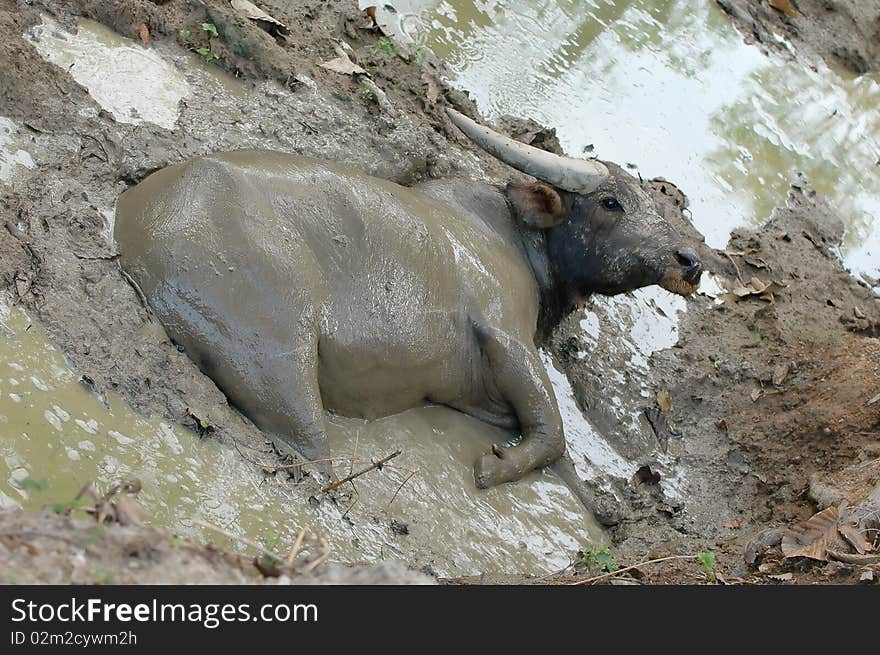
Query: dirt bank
(843, 32)
(742, 449)
(54, 549)
(774, 411)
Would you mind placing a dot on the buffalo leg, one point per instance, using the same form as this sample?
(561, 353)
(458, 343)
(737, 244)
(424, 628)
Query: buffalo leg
(520, 376)
(291, 407)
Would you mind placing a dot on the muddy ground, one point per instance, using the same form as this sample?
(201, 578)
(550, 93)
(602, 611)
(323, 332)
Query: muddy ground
(843, 32)
(761, 448)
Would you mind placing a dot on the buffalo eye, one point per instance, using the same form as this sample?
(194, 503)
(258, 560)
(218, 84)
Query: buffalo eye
(611, 204)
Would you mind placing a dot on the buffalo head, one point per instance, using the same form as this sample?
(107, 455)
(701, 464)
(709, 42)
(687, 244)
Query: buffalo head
(602, 231)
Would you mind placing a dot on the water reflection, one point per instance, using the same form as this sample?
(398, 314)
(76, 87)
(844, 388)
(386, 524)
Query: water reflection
(670, 86)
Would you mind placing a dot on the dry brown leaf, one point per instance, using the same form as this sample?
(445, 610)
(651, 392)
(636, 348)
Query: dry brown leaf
(664, 401)
(851, 558)
(144, 33)
(383, 17)
(785, 7)
(343, 65)
(22, 285)
(855, 538)
(757, 287)
(815, 537)
(435, 88)
(252, 12)
(780, 373)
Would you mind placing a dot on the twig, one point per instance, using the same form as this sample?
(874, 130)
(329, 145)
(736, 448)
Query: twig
(738, 273)
(296, 546)
(405, 480)
(357, 440)
(137, 290)
(349, 478)
(311, 566)
(235, 537)
(634, 566)
(547, 576)
(279, 467)
(108, 258)
(14, 231)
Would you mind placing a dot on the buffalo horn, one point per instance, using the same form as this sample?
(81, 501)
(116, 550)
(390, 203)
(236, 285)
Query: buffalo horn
(576, 175)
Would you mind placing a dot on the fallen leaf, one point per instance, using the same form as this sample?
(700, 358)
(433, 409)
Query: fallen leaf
(144, 33)
(267, 565)
(855, 538)
(780, 373)
(785, 7)
(760, 543)
(381, 98)
(757, 262)
(664, 401)
(384, 17)
(265, 21)
(660, 425)
(22, 285)
(435, 88)
(343, 65)
(757, 287)
(850, 558)
(815, 537)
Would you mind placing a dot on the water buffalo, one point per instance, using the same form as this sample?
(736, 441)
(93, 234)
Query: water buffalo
(299, 285)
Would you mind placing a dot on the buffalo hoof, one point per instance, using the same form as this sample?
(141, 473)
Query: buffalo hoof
(487, 471)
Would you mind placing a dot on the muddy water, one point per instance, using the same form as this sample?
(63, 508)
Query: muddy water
(669, 86)
(133, 83)
(55, 434)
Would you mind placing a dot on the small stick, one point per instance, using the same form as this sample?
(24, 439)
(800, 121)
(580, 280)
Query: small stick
(296, 546)
(634, 566)
(279, 467)
(738, 274)
(134, 285)
(405, 480)
(374, 465)
(234, 537)
(559, 572)
(311, 566)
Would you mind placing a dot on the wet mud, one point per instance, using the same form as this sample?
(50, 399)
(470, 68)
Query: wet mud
(843, 32)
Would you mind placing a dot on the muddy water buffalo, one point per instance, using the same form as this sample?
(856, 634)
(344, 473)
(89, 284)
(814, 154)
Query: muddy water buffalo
(299, 285)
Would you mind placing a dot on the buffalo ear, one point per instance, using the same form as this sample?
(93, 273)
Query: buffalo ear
(537, 205)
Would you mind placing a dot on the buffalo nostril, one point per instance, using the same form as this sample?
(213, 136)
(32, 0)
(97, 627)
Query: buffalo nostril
(686, 259)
